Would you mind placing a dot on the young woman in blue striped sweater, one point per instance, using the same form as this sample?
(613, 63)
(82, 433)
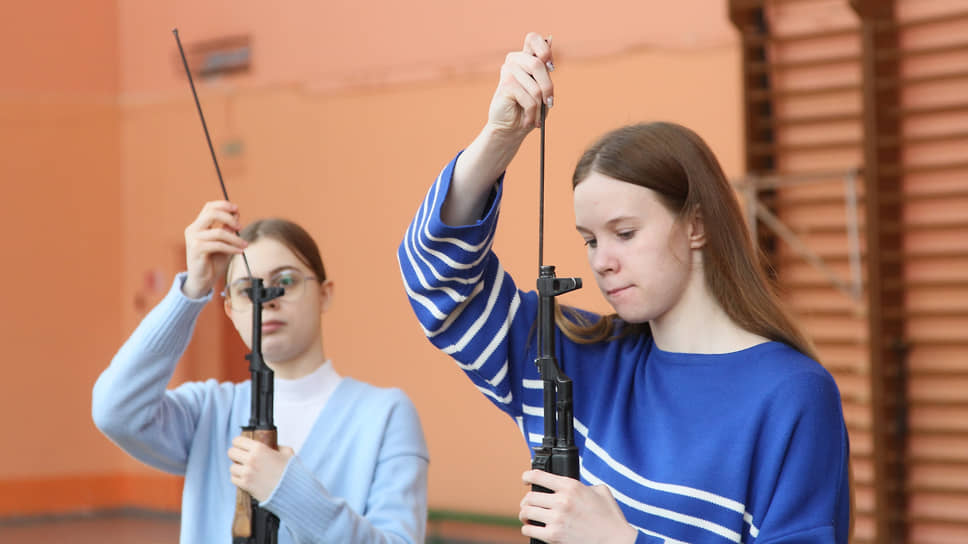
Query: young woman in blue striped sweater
(701, 412)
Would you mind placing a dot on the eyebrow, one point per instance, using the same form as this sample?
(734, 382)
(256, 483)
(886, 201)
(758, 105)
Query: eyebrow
(608, 223)
(272, 272)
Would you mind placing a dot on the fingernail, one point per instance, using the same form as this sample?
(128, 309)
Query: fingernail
(550, 101)
(550, 66)
(548, 39)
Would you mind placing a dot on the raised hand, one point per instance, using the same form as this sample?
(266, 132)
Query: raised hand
(515, 110)
(524, 85)
(210, 241)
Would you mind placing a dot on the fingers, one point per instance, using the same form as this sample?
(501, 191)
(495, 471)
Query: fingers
(217, 240)
(539, 46)
(524, 86)
(245, 443)
(532, 76)
(551, 481)
(214, 231)
(221, 212)
(525, 80)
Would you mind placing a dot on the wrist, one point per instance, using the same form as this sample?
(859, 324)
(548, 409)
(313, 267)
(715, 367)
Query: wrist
(192, 290)
(502, 140)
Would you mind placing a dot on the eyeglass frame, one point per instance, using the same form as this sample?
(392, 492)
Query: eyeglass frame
(227, 296)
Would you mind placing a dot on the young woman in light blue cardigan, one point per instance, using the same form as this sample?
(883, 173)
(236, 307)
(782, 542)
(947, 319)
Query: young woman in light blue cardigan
(352, 462)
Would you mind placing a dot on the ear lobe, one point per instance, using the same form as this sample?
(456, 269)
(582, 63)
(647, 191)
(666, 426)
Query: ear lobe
(697, 230)
(325, 295)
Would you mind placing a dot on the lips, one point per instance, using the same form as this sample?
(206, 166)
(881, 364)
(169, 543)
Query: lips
(617, 290)
(272, 326)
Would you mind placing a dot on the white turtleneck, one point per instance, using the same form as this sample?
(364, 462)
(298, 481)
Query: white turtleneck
(297, 403)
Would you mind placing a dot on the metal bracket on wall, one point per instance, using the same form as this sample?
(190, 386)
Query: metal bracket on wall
(751, 186)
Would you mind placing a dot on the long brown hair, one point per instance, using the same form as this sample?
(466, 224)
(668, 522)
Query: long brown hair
(290, 235)
(677, 164)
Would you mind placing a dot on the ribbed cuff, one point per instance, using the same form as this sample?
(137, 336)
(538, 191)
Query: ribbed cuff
(179, 312)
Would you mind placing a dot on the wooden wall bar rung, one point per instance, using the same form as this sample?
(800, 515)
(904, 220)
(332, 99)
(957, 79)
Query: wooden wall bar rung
(806, 120)
(918, 111)
(805, 284)
(929, 314)
(894, 54)
(892, 226)
(946, 253)
(813, 147)
(823, 200)
(820, 62)
(923, 21)
(939, 226)
(936, 459)
(948, 342)
(888, 84)
(825, 312)
(827, 229)
(773, 94)
(898, 170)
(928, 196)
(956, 520)
(757, 39)
(942, 372)
(940, 283)
(942, 137)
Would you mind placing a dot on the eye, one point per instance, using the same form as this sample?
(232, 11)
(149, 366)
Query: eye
(626, 234)
(591, 243)
(284, 279)
(238, 289)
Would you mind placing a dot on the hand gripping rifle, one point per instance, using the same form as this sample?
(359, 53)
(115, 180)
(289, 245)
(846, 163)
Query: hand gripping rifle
(557, 453)
(252, 524)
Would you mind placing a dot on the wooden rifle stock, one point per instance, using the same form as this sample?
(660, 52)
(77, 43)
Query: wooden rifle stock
(242, 525)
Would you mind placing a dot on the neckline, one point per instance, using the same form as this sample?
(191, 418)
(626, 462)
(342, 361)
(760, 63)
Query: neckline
(675, 357)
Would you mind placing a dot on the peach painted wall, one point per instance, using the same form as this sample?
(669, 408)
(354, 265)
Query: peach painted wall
(346, 117)
(59, 212)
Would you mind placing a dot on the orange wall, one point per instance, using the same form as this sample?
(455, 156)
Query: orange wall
(61, 306)
(347, 116)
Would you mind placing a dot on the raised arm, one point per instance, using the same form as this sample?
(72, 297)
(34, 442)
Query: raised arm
(130, 403)
(514, 111)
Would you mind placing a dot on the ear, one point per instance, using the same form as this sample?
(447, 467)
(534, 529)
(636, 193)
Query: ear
(325, 295)
(696, 230)
(226, 308)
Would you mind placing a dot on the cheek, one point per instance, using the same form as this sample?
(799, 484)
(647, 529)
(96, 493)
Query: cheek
(243, 325)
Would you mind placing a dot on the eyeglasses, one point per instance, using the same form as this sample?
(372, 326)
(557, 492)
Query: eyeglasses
(293, 283)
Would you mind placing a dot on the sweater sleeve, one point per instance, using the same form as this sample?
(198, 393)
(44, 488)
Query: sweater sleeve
(130, 403)
(809, 502)
(396, 506)
(465, 302)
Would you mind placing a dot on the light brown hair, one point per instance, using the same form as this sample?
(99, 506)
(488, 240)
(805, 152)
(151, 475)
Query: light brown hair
(677, 164)
(290, 235)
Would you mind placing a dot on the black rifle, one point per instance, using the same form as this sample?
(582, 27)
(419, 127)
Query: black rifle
(557, 453)
(252, 524)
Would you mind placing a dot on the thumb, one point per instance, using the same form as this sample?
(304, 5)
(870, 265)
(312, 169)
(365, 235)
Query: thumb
(287, 451)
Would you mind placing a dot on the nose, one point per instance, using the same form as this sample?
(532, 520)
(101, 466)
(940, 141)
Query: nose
(603, 260)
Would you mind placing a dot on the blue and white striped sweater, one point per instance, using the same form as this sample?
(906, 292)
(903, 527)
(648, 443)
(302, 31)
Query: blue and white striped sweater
(742, 447)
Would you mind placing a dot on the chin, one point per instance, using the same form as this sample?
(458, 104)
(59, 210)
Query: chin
(634, 315)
